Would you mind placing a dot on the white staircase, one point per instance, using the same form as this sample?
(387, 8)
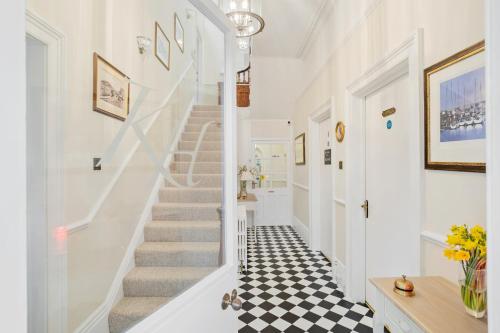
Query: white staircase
(182, 243)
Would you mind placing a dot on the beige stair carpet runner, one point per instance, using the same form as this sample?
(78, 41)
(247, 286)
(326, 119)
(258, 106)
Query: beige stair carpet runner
(182, 243)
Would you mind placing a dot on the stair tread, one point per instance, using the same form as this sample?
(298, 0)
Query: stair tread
(139, 306)
(183, 224)
(179, 246)
(156, 273)
(189, 204)
(191, 188)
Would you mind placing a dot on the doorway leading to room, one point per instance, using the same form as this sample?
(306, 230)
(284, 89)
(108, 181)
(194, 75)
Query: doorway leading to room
(388, 181)
(273, 186)
(37, 215)
(321, 178)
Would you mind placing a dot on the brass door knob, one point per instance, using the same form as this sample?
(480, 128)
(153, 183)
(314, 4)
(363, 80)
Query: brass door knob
(232, 300)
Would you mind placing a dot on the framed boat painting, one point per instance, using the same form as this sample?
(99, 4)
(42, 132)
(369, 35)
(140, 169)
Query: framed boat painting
(111, 89)
(455, 112)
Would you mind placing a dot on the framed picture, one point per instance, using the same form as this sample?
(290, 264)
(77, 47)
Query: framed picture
(300, 149)
(455, 112)
(111, 94)
(162, 46)
(178, 33)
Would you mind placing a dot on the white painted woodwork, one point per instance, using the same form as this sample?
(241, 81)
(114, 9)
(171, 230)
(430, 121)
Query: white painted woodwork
(388, 184)
(274, 197)
(493, 159)
(325, 190)
(404, 60)
(36, 100)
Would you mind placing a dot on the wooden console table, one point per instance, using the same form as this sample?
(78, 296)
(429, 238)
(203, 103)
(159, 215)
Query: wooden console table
(435, 308)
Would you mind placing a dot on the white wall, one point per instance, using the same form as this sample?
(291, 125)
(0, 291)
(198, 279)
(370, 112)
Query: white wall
(275, 87)
(13, 305)
(355, 37)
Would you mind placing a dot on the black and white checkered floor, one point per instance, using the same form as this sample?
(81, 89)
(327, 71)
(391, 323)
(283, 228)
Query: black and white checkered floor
(288, 288)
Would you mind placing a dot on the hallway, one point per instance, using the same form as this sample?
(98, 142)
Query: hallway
(288, 288)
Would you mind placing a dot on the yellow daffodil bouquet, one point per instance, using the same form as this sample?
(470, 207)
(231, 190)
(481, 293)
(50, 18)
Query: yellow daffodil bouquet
(468, 246)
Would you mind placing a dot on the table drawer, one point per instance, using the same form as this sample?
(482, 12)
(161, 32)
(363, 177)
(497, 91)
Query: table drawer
(397, 321)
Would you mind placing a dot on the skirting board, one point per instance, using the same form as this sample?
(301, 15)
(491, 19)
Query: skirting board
(338, 270)
(301, 229)
(97, 322)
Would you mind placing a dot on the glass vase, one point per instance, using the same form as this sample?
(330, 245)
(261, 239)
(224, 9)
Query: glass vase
(473, 290)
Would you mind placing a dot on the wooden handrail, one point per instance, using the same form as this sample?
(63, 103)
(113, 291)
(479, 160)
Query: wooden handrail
(243, 76)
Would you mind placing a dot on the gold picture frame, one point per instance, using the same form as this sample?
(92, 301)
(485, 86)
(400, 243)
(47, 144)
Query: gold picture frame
(162, 46)
(178, 32)
(340, 131)
(300, 149)
(454, 99)
(111, 89)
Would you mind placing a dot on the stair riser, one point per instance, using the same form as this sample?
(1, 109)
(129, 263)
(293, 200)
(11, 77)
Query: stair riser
(174, 195)
(198, 127)
(207, 108)
(204, 180)
(203, 121)
(166, 234)
(215, 156)
(205, 146)
(199, 168)
(185, 213)
(207, 114)
(177, 258)
(209, 136)
(156, 288)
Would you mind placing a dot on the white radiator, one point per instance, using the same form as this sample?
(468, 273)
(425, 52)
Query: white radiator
(242, 237)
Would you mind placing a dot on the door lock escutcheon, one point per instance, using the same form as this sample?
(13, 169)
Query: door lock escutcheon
(232, 300)
(365, 206)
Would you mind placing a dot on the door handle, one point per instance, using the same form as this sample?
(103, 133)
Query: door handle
(270, 191)
(232, 300)
(366, 207)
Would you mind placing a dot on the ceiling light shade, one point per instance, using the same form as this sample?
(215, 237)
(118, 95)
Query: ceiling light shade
(243, 43)
(245, 15)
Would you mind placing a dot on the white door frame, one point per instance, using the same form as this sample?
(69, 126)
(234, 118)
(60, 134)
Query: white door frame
(54, 40)
(325, 111)
(493, 159)
(176, 316)
(289, 176)
(406, 59)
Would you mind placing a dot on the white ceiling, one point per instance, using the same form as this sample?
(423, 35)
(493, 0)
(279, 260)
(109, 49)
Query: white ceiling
(289, 24)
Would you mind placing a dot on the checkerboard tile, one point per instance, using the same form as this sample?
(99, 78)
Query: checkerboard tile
(289, 288)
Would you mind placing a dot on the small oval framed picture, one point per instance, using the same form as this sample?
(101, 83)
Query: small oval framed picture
(340, 131)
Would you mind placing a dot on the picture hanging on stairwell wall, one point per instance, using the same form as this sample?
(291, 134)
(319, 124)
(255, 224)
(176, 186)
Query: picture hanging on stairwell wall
(162, 46)
(455, 112)
(178, 33)
(300, 149)
(111, 89)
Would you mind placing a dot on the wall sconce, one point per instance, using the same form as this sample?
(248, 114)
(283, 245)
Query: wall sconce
(143, 43)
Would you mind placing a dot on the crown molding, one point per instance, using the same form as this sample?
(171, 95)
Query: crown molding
(320, 17)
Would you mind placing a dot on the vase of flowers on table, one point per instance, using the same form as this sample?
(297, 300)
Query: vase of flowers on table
(468, 247)
(246, 174)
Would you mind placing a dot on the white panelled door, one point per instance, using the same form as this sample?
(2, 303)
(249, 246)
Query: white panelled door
(389, 250)
(273, 186)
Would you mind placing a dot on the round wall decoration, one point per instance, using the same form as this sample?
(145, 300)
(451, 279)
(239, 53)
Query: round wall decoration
(340, 131)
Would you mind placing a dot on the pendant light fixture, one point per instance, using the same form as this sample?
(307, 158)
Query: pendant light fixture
(245, 15)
